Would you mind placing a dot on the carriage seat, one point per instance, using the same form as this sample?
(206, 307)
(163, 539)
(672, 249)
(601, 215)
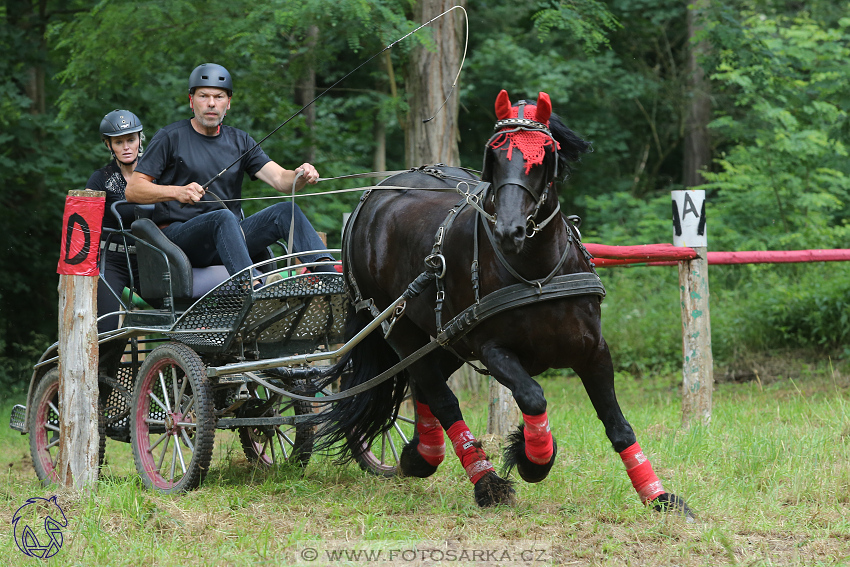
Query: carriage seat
(186, 282)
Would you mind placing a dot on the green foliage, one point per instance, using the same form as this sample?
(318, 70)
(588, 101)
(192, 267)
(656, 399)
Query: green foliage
(628, 99)
(641, 319)
(586, 20)
(807, 306)
(783, 178)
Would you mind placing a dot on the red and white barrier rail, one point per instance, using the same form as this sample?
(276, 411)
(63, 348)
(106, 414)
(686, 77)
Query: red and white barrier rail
(669, 255)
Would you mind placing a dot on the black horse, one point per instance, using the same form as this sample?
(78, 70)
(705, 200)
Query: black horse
(545, 312)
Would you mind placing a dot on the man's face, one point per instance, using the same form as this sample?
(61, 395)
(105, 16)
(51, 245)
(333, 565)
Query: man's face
(210, 104)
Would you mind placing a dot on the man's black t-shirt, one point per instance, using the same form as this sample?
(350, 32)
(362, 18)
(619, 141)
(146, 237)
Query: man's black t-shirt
(110, 180)
(179, 155)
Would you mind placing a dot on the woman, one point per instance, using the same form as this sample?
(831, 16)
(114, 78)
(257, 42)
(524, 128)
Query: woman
(121, 132)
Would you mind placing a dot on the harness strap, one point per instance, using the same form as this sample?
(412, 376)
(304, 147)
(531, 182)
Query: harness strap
(437, 262)
(354, 390)
(541, 282)
(519, 295)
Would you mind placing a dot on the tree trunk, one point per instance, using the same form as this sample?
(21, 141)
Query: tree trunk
(431, 135)
(305, 92)
(466, 378)
(379, 158)
(379, 127)
(697, 150)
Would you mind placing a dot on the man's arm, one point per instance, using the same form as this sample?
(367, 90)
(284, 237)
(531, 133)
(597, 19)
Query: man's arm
(281, 179)
(142, 189)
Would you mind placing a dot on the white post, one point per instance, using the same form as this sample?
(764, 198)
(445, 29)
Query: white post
(78, 349)
(689, 229)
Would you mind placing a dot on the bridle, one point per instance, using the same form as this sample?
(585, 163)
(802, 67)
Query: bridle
(503, 129)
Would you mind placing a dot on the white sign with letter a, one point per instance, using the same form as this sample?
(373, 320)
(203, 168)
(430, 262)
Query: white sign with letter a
(689, 218)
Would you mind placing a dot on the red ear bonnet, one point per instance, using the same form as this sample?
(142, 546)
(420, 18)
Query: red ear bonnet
(544, 108)
(530, 143)
(503, 105)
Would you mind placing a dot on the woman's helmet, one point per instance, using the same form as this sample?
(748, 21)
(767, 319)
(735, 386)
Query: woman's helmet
(118, 123)
(210, 75)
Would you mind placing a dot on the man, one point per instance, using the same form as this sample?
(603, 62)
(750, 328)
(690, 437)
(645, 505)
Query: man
(187, 153)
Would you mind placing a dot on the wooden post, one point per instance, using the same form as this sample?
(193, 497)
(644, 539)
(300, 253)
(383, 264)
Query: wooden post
(503, 416)
(78, 350)
(698, 363)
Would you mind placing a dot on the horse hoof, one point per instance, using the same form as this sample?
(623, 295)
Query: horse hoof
(492, 490)
(668, 502)
(514, 455)
(411, 463)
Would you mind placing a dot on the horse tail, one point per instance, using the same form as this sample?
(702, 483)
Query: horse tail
(350, 425)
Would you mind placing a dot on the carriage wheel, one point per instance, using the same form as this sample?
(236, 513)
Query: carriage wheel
(172, 425)
(382, 456)
(272, 445)
(44, 429)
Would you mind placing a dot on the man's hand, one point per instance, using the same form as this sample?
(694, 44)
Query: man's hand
(190, 194)
(309, 175)
(282, 179)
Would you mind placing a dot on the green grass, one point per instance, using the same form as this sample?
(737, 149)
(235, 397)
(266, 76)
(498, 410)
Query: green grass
(769, 480)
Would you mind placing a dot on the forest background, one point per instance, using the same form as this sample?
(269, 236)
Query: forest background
(747, 99)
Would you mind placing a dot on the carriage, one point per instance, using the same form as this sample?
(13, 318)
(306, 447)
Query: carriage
(429, 256)
(154, 392)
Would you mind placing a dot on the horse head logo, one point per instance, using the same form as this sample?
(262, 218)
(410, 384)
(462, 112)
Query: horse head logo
(38, 527)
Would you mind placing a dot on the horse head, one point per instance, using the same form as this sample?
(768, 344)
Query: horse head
(521, 162)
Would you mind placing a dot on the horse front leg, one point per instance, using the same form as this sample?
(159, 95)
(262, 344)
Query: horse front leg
(597, 375)
(531, 448)
(436, 400)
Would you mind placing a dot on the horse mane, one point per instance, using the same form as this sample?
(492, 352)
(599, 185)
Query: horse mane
(572, 146)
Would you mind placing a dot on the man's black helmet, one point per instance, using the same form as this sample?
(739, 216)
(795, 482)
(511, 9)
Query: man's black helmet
(118, 123)
(210, 75)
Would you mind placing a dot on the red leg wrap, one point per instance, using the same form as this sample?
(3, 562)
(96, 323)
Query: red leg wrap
(432, 444)
(469, 451)
(538, 438)
(641, 474)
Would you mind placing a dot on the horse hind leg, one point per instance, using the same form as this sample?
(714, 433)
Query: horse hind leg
(490, 489)
(597, 375)
(437, 399)
(421, 456)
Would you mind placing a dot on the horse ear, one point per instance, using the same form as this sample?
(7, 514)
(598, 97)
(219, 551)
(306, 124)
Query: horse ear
(544, 108)
(503, 105)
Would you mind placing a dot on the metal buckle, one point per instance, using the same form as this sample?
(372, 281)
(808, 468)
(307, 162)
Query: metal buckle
(437, 263)
(399, 311)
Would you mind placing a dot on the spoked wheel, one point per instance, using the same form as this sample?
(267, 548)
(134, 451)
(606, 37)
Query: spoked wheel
(382, 456)
(172, 426)
(270, 445)
(44, 429)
